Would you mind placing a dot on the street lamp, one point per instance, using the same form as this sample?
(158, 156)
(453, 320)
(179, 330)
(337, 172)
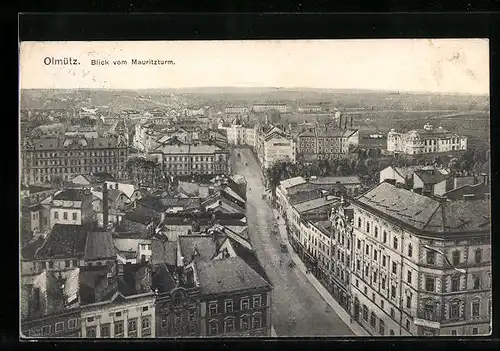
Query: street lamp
(446, 258)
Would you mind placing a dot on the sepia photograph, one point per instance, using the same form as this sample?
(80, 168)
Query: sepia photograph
(254, 189)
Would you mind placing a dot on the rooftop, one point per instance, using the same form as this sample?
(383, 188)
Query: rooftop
(430, 176)
(289, 183)
(205, 246)
(188, 149)
(316, 203)
(72, 195)
(227, 275)
(164, 252)
(65, 240)
(99, 246)
(335, 180)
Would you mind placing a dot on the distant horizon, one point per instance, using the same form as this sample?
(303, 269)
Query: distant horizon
(362, 90)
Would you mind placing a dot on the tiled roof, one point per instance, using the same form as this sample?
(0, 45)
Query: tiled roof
(430, 176)
(204, 244)
(477, 190)
(65, 240)
(72, 195)
(164, 252)
(288, 183)
(99, 246)
(303, 196)
(407, 172)
(228, 275)
(246, 253)
(33, 189)
(316, 203)
(70, 143)
(425, 213)
(334, 180)
(138, 216)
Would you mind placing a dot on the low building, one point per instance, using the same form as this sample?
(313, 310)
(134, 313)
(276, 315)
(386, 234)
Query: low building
(259, 108)
(425, 141)
(71, 206)
(236, 110)
(430, 181)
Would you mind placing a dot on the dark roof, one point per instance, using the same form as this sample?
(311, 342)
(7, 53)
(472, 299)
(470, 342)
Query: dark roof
(205, 246)
(152, 202)
(163, 252)
(136, 279)
(228, 275)
(99, 246)
(33, 189)
(36, 207)
(65, 240)
(28, 250)
(72, 195)
(162, 278)
(70, 142)
(303, 196)
(468, 190)
(181, 202)
(138, 216)
(91, 279)
(430, 176)
(250, 258)
(426, 213)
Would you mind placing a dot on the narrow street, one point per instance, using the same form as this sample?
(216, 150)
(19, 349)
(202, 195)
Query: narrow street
(298, 309)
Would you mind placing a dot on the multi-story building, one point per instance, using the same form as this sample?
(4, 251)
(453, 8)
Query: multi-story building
(117, 301)
(236, 110)
(326, 142)
(71, 206)
(424, 141)
(273, 146)
(310, 109)
(183, 160)
(421, 265)
(46, 159)
(236, 133)
(259, 108)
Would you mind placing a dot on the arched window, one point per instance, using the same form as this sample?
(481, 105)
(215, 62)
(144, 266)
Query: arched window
(410, 250)
(373, 320)
(478, 255)
(229, 325)
(256, 321)
(430, 310)
(476, 303)
(365, 313)
(245, 322)
(455, 309)
(213, 327)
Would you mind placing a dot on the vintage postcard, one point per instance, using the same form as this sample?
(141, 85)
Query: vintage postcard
(294, 188)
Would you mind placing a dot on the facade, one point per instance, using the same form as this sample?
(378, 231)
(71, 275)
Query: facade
(45, 159)
(236, 110)
(273, 146)
(310, 109)
(259, 108)
(71, 206)
(236, 134)
(424, 141)
(326, 142)
(186, 160)
(423, 269)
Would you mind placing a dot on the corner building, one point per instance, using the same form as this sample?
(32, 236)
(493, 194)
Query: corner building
(421, 266)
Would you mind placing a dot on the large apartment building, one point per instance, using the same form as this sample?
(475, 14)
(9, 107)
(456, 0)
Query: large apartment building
(63, 157)
(273, 146)
(183, 160)
(426, 140)
(421, 266)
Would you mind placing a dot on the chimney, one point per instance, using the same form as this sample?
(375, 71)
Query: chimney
(351, 122)
(120, 270)
(105, 209)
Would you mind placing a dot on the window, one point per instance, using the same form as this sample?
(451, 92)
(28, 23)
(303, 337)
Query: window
(410, 250)
(59, 327)
(257, 300)
(74, 216)
(375, 254)
(455, 258)
(244, 304)
(455, 283)
(376, 232)
(382, 304)
(72, 324)
(91, 332)
(365, 313)
(366, 290)
(244, 322)
(65, 215)
(373, 297)
(359, 222)
(381, 327)
(393, 313)
(393, 291)
(395, 243)
(478, 255)
(213, 308)
(118, 329)
(429, 310)
(391, 332)
(51, 264)
(213, 328)
(118, 314)
(46, 330)
(430, 284)
(374, 277)
(132, 327)
(408, 277)
(56, 215)
(384, 237)
(373, 320)
(475, 308)
(105, 330)
(228, 306)
(384, 260)
(366, 271)
(256, 321)
(146, 326)
(383, 283)
(454, 309)
(367, 227)
(359, 244)
(358, 264)
(430, 257)
(394, 267)
(229, 325)
(474, 331)
(407, 324)
(145, 309)
(90, 319)
(476, 283)
(75, 263)
(408, 301)
(367, 249)
(454, 332)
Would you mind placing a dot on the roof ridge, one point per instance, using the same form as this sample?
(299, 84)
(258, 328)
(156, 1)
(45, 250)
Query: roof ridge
(433, 213)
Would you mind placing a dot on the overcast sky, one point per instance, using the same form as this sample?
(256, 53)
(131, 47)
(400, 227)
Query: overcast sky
(458, 65)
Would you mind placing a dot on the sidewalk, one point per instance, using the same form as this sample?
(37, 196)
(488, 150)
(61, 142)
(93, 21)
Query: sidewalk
(344, 316)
